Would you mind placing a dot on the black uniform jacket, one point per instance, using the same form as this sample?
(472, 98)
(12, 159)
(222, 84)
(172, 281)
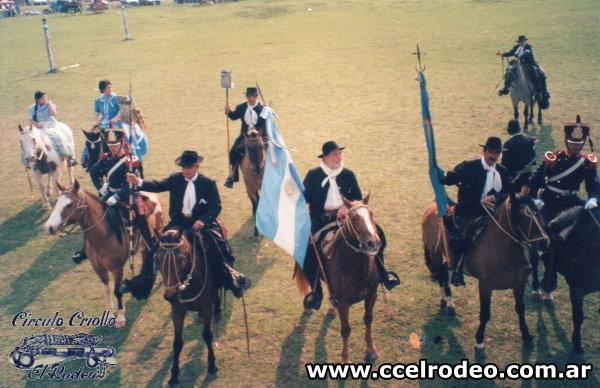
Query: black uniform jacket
(117, 181)
(517, 153)
(240, 111)
(208, 202)
(316, 195)
(470, 177)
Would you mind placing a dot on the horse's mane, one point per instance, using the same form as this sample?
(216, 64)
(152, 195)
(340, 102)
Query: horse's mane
(113, 218)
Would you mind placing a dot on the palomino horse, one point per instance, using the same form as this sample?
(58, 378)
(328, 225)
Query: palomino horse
(579, 262)
(253, 167)
(524, 90)
(43, 158)
(187, 286)
(498, 261)
(351, 270)
(106, 241)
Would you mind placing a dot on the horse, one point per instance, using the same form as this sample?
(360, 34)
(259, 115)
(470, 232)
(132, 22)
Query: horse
(524, 90)
(42, 158)
(95, 145)
(253, 167)
(188, 287)
(351, 271)
(578, 261)
(106, 240)
(498, 261)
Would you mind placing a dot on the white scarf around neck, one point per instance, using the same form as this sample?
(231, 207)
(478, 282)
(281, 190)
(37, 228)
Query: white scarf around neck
(189, 198)
(492, 179)
(251, 117)
(334, 197)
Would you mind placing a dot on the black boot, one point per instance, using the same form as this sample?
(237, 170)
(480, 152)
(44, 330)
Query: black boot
(72, 162)
(389, 279)
(79, 256)
(504, 91)
(237, 282)
(457, 278)
(234, 177)
(312, 300)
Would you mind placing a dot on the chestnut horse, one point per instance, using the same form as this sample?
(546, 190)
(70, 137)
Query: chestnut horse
(498, 261)
(253, 167)
(187, 286)
(106, 241)
(351, 270)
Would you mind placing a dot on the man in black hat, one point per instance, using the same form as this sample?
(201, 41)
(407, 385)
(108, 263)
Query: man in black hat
(523, 52)
(194, 205)
(478, 180)
(249, 113)
(518, 155)
(324, 187)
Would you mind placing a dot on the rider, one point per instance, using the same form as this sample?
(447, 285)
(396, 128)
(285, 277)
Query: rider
(324, 187)
(249, 112)
(194, 206)
(109, 177)
(479, 180)
(524, 53)
(41, 115)
(518, 155)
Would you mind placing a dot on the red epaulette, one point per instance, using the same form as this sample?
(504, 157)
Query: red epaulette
(592, 161)
(550, 158)
(103, 156)
(136, 162)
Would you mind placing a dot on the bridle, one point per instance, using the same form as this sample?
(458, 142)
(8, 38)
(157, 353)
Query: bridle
(81, 204)
(256, 169)
(39, 151)
(346, 226)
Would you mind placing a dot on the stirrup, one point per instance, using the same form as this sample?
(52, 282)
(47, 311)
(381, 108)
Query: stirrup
(229, 183)
(312, 301)
(390, 280)
(458, 279)
(72, 162)
(79, 256)
(503, 92)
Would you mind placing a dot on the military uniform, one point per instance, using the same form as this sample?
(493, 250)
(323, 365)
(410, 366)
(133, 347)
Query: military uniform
(525, 56)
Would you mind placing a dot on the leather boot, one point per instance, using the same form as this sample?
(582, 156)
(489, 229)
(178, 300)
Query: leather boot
(389, 279)
(238, 282)
(79, 256)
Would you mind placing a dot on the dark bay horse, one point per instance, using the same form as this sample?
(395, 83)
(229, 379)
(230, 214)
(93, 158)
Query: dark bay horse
(578, 260)
(106, 241)
(351, 270)
(187, 286)
(95, 145)
(253, 167)
(524, 90)
(498, 261)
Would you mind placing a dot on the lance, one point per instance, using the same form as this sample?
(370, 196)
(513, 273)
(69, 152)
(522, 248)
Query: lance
(131, 186)
(227, 82)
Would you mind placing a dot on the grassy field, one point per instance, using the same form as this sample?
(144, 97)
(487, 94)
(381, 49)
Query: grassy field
(343, 71)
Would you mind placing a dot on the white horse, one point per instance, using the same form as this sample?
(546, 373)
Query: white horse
(523, 90)
(42, 158)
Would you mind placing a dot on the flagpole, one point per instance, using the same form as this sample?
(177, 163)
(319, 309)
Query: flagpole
(314, 245)
(227, 82)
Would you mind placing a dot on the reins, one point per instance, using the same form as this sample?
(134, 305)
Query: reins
(524, 237)
(352, 229)
(81, 205)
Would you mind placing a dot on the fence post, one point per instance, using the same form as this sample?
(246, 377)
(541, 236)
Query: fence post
(125, 21)
(53, 68)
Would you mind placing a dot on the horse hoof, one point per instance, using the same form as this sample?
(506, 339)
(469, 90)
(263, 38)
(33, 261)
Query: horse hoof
(443, 303)
(548, 303)
(46, 206)
(120, 324)
(212, 375)
(528, 341)
(256, 238)
(480, 353)
(451, 311)
(332, 312)
(309, 311)
(371, 356)
(174, 384)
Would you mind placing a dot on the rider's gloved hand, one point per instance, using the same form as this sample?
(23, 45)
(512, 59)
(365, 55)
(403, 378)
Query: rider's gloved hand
(538, 203)
(592, 203)
(112, 200)
(103, 190)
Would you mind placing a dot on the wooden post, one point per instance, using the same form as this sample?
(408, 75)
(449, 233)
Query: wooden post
(125, 21)
(53, 68)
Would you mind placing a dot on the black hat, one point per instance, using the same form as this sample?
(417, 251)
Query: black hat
(251, 91)
(328, 147)
(493, 143)
(576, 132)
(521, 38)
(189, 159)
(513, 127)
(114, 136)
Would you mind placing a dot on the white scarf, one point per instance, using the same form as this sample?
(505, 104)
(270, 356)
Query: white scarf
(189, 198)
(492, 180)
(250, 117)
(334, 197)
(519, 51)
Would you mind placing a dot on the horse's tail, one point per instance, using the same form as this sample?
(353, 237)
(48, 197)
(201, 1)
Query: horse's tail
(438, 273)
(301, 281)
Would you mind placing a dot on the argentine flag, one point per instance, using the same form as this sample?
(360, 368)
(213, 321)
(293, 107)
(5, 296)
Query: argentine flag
(282, 215)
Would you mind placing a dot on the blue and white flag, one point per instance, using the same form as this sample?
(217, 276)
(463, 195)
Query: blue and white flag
(282, 215)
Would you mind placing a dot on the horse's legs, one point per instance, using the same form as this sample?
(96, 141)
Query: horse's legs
(178, 315)
(539, 121)
(485, 299)
(343, 313)
(534, 259)
(70, 172)
(371, 351)
(447, 301)
(206, 315)
(256, 236)
(516, 111)
(577, 311)
(520, 309)
(45, 200)
(526, 115)
(120, 322)
(103, 275)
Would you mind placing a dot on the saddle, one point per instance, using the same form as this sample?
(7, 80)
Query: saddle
(563, 224)
(325, 237)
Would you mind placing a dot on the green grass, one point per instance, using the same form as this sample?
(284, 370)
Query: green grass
(344, 71)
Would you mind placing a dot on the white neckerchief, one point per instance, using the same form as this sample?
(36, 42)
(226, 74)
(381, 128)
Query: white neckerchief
(334, 197)
(189, 198)
(519, 51)
(250, 117)
(492, 180)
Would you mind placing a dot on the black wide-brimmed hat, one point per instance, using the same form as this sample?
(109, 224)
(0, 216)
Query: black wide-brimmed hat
(328, 147)
(493, 143)
(114, 136)
(513, 126)
(251, 91)
(189, 159)
(521, 38)
(576, 132)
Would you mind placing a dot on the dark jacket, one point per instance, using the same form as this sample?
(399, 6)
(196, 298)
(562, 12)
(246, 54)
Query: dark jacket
(239, 113)
(470, 177)
(208, 202)
(117, 181)
(527, 56)
(316, 195)
(517, 153)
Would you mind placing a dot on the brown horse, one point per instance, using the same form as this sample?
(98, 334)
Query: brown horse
(106, 241)
(498, 261)
(351, 270)
(184, 269)
(253, 167)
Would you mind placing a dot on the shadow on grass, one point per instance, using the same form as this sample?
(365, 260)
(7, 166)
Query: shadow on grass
(44, 270)
(22, 227)
(289, 369)
(546, 142)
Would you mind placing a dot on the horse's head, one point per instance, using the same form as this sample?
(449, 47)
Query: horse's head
(255, 146)
(93, 135)
(528, 223)
(175, 260)
(69, 209)
(359, 227)
(31, 142)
